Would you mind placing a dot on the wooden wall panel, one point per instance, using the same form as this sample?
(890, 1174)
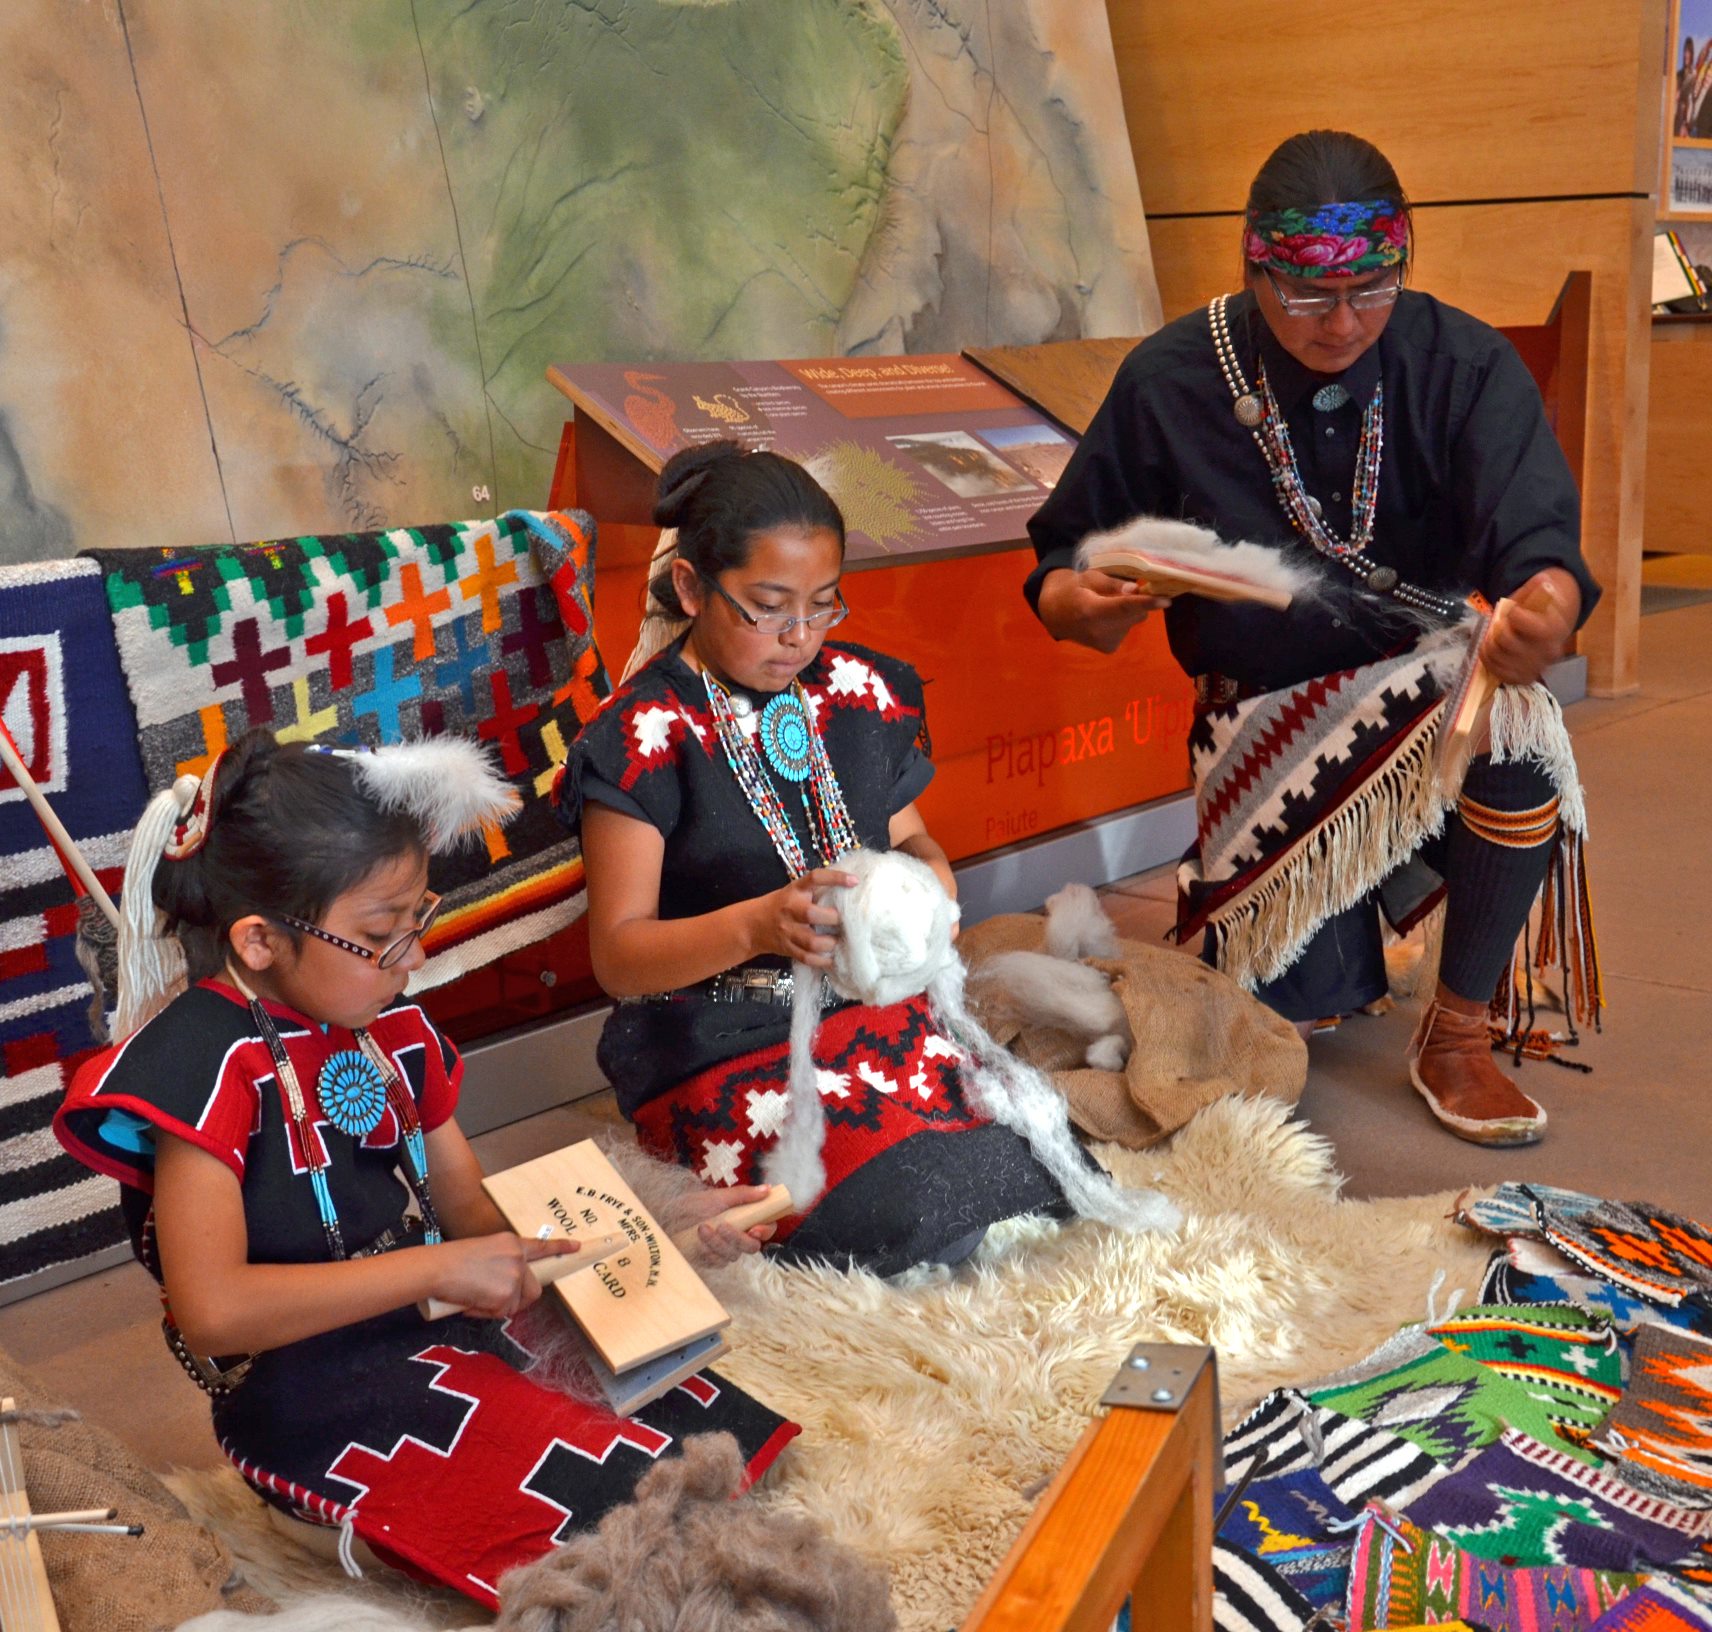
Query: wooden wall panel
(1468, 98)
(1679, 479)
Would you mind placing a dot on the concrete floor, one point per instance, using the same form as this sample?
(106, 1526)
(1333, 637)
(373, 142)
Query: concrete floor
(1638, 1127)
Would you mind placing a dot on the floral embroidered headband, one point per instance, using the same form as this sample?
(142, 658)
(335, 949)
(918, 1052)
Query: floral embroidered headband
(1332, 241)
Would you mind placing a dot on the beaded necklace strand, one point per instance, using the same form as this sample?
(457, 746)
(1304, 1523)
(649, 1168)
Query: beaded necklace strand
(314, 1156)
(823, 800)
(1261, 417)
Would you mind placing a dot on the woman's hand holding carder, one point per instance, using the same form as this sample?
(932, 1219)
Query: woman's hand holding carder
(1535, 630)
(719, 1242)
(790, 923)
(1094, 608)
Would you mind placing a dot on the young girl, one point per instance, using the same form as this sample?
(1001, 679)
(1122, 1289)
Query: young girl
(269, 1127)
(712, 790)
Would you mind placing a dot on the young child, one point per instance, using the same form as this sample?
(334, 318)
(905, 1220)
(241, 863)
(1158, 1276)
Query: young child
(269, 1126)
(712, 791)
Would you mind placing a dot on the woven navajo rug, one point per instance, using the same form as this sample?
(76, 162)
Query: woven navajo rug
(63, 701)
(1529, 1269)
(1308, 800)
(1554, 1350)
(482, 629)
(1404, 1576)
(1447, 1403)
(1297, 1525)
(1661, 1430)
(1658, 1255)
(1515, 1209)
(1305, 800)
(1286, 1433)
(1526, 1503)
(1251, 1595)
(1654, 1608)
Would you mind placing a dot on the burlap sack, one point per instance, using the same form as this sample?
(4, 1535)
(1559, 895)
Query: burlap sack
(173, 1571)
(1198, 1036)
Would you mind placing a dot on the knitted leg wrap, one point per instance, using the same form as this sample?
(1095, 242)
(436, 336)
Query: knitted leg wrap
(1500, 846)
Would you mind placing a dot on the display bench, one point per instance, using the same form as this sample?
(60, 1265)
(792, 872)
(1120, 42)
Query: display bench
(1679, 417)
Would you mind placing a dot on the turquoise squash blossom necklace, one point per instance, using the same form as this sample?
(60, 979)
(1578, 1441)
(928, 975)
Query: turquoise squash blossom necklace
(791, 742)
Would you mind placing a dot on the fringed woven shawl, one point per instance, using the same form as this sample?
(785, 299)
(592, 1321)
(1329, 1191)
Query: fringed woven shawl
(1309, 798)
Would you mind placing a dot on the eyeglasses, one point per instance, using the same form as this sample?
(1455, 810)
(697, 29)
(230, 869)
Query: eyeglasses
(1371, 298)
(389, 956)
(778, 623)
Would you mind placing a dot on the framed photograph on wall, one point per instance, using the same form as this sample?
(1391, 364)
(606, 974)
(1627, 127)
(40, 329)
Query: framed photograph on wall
(1686, 187)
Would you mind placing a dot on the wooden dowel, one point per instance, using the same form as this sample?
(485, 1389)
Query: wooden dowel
(775, 1204)
(76, 1515)
(63, 841)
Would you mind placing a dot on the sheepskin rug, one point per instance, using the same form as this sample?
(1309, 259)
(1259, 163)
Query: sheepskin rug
(936, 1406)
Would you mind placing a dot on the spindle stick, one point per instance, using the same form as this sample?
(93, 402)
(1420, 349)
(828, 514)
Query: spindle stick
(62, 840)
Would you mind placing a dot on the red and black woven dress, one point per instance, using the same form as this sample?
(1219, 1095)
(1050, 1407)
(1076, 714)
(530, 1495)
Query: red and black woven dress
(913, 1174)
(425, 1438)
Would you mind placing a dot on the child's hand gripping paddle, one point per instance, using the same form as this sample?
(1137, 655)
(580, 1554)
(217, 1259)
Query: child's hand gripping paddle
(545, 1270)
(775, 1204)
(1469, 701)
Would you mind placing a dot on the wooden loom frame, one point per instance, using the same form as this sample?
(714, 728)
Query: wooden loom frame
(1129, 1515)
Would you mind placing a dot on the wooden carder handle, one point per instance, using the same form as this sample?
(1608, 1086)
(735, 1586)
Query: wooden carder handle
(775, 1204)
(545, 1270)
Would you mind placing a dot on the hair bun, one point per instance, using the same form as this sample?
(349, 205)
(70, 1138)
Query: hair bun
(684, 472)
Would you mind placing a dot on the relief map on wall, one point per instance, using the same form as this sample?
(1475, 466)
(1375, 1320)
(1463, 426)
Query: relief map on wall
(299, 265)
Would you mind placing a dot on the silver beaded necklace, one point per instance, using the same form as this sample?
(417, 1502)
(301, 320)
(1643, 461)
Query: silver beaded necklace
(1259, 414)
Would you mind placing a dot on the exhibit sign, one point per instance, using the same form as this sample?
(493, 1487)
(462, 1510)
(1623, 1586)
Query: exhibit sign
(927, 455)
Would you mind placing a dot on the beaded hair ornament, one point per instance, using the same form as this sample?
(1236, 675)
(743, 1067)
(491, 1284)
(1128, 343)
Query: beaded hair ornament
(1329, 241)
(447, 786)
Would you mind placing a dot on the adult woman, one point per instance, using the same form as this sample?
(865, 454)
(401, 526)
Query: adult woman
(1327, 405)
(713, 790)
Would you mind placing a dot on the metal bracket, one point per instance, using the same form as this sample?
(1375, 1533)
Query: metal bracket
(1158, 1376)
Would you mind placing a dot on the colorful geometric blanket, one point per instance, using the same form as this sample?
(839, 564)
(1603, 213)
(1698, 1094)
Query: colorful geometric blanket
(1447, 1403)
(1287, 1433)
(1305, 800)
(1528, 1269)
(482, 629)
(1525, 1503)
(1658, 1255)
(1404, 1576)
(1554, 1350)
(1661, 1431)
(1515, 1209)
(1656, 1608)
(1308, 800)
(1297, 1525)
(1250, 1595)
(63, 700)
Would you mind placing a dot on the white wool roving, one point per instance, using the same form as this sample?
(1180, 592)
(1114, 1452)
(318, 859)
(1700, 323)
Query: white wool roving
(1044, 990)
(895, 942)
(448, 784)
(895, 935)
(1199, 548)
(1077, 925)
(795, 1161)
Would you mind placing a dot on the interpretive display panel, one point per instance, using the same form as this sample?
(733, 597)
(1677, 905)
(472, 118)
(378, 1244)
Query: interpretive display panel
(925, 455)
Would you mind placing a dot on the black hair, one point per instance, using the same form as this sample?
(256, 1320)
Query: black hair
(1327, 167)
(289, 831)
(719, 497)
